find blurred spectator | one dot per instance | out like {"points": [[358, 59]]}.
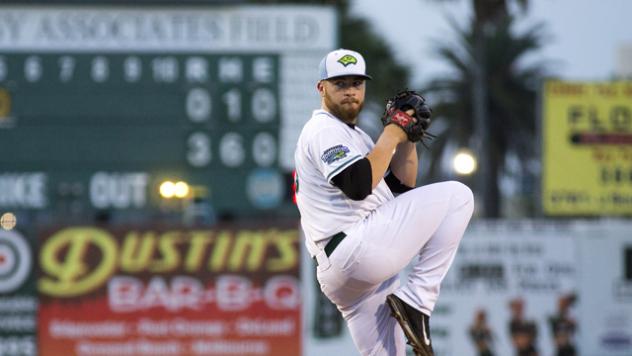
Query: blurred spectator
{"points": [[199, 212], [481, 334], [523, 332], [103, 217], [563, 326]]}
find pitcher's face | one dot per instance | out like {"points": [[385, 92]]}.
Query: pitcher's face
{"points": [[343, 97]]}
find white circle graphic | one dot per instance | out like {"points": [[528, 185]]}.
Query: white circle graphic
{"points": [[264, 188], [17, 257], [7, 260]]}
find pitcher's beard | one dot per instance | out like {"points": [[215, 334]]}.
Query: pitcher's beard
{"points": [[345, 112]]}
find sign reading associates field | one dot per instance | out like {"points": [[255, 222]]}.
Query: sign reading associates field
{"points": [[169, 292], [587, 148]]}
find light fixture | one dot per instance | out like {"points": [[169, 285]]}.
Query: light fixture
{"points": [[181, 189], [464, 162], [167, 189]]}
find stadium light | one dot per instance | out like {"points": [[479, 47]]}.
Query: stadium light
{"points": [[464, 162], [167, 189], [181, 189]]}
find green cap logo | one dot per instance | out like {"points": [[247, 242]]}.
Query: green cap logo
{"points": [[347, 59]]}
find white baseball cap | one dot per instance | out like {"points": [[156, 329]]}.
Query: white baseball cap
{"points": [[342, 62]]}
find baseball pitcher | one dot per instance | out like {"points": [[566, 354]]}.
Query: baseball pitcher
{"points": [[364, 221]]}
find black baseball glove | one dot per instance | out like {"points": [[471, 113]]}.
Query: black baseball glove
{"points": [[415, 126]]}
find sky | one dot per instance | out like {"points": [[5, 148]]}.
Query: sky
{"points": [[584, 37]]}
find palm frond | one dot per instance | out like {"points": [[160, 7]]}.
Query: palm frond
{"points": [[511, 86]]}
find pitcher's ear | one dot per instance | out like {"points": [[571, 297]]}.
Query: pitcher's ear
{"points": [[320, 86]]}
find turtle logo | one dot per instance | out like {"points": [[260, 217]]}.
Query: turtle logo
{"points": [[347, 59]]}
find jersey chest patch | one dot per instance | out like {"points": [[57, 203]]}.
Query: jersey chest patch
{"points": [[334, 154]]}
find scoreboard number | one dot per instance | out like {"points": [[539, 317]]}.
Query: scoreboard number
{"points": [[199, 150], [3, 68], [66, 68], [33, 69], [198, 105]]}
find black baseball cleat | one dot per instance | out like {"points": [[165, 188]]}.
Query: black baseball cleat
{"points": [[414, 323]]}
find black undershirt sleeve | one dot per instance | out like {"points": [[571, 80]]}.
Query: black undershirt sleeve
{"points": [[355, 180], [395, 185]]}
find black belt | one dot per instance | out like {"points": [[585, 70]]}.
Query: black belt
{"points": [[333, 243]]}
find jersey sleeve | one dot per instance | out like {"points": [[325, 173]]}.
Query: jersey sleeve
{"points": [[394, 184], [333, 152]]}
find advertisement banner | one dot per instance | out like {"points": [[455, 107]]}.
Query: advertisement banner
{"points": [[18, 295], [144, 291], [506, 289], [587, 148], [557, 287], [606, 290]]}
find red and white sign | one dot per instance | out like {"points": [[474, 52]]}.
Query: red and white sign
{"points": [[176, 292]]}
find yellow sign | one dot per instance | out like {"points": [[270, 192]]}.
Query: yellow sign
{"points": [[92, 255], [587, 148]]}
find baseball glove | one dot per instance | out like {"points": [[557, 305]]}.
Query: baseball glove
{"points": [[415, 126]]}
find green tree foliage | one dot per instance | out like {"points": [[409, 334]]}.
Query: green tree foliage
{"points": [[511, 93]]}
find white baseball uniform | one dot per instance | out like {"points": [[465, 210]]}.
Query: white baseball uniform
{"points": [[383, 234]]}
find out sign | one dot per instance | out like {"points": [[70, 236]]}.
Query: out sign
{"points": [[118, 190]]}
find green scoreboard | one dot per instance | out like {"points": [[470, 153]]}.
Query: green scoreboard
{"points": [[124, 122], [99, 106]]}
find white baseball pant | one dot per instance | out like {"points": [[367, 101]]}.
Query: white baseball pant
{"points": [[427, 223]]}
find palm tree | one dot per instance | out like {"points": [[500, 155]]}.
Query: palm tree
{"points": [[508, 103]]}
